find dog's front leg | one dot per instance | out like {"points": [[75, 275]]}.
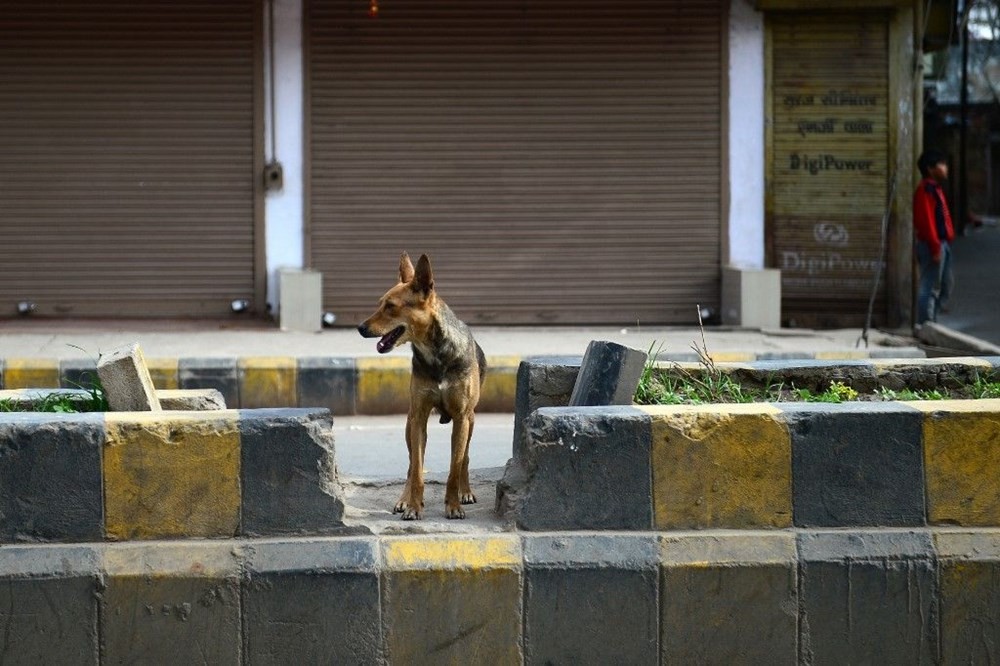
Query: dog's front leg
{"points": [[411, 502], [461, 433]]}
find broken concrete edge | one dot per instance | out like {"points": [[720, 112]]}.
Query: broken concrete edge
{"points": [[345, 385], [78, 477], [125, 380], [756, 466], [834, 595], [178, 400]]}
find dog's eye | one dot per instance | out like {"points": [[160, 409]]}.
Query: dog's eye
{"points": [[390, 307]]}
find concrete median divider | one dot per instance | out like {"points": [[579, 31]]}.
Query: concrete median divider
{"points": [[156, 475], [784, 533]]}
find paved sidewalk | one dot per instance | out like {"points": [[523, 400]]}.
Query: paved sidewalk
{"points": [[82, 339]]}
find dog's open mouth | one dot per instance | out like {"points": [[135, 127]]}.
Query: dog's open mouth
{"points": [[388, 341]]}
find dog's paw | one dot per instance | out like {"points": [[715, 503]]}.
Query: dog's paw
{"points": [[454, 512], [409, 511], [468, 498]]}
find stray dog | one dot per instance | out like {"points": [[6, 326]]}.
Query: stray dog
{"points": [[448, 371]]}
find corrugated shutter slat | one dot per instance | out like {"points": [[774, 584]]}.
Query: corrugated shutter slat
{"points": [[128, 175], [558, 161]]}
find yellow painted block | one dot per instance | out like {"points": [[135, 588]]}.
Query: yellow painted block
{"points": [[732, 357], [961, 459], [164, 372], [383, 385], [451, 553], [720, 466], [497, 394], [171, 476], [268, 381], [21, 373]]}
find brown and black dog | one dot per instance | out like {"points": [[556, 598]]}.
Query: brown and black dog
{"points": [[448, 371]]}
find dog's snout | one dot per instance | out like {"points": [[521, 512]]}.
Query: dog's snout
{"points": [[363, 330]]}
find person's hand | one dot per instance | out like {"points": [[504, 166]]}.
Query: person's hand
{"points": [[937, 257]]}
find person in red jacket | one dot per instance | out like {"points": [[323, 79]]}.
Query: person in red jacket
{"points": [[933, 233]]}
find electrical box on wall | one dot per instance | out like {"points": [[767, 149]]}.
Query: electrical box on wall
{"points": [[274, 177]]}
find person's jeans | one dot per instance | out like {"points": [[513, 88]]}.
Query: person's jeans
{"points": [[935, 281]]}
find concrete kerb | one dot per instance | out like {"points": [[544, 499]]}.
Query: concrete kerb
{"points": [[756, 466], [153, 475], [786, 596], [344, 385]]}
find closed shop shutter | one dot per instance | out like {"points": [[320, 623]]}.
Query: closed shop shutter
{"points": [[558, 161], [128, 168], [828, 181]]}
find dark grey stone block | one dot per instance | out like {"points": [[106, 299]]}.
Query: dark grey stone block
{"points": [[312, 602], [591, 600], [215, 373], [331, 383], [50, 477], [609, 375], [728, 599], [542, 381], [867, 597], [584, 468], [48, 621], [289, 483], [856, 464], [170, 620]]}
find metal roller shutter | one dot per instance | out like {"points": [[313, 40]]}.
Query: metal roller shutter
{"points": [[559, 161], [128, 173], [829, 168]]}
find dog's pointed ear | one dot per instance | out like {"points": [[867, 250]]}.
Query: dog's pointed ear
{"points": [[423, 281], [405, 268]]}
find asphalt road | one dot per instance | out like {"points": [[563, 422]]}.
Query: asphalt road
{"points": [[975, 304], [373, 447]]}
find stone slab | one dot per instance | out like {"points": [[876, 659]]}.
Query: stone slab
{"points": [[585, 468], [541, 382], [126, 381], [961, 459], [331, 383], [856, 464], [969, 569], [720, 466], [190, 400], [49, 621], [609, 375], [218, 373], [728, 599], [591, 599], [452, 600], [867, 597], [50, 477], [268, 381], [172, 474], [289, 480], [312, 602]]}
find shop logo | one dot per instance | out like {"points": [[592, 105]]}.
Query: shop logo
{"points": [[828, 233]]}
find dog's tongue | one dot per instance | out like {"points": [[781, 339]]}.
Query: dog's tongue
{"points": [[388, 341], [385, 344]]}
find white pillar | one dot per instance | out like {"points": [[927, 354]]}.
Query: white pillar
{"points": [[284, 210], [746, 136]]}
